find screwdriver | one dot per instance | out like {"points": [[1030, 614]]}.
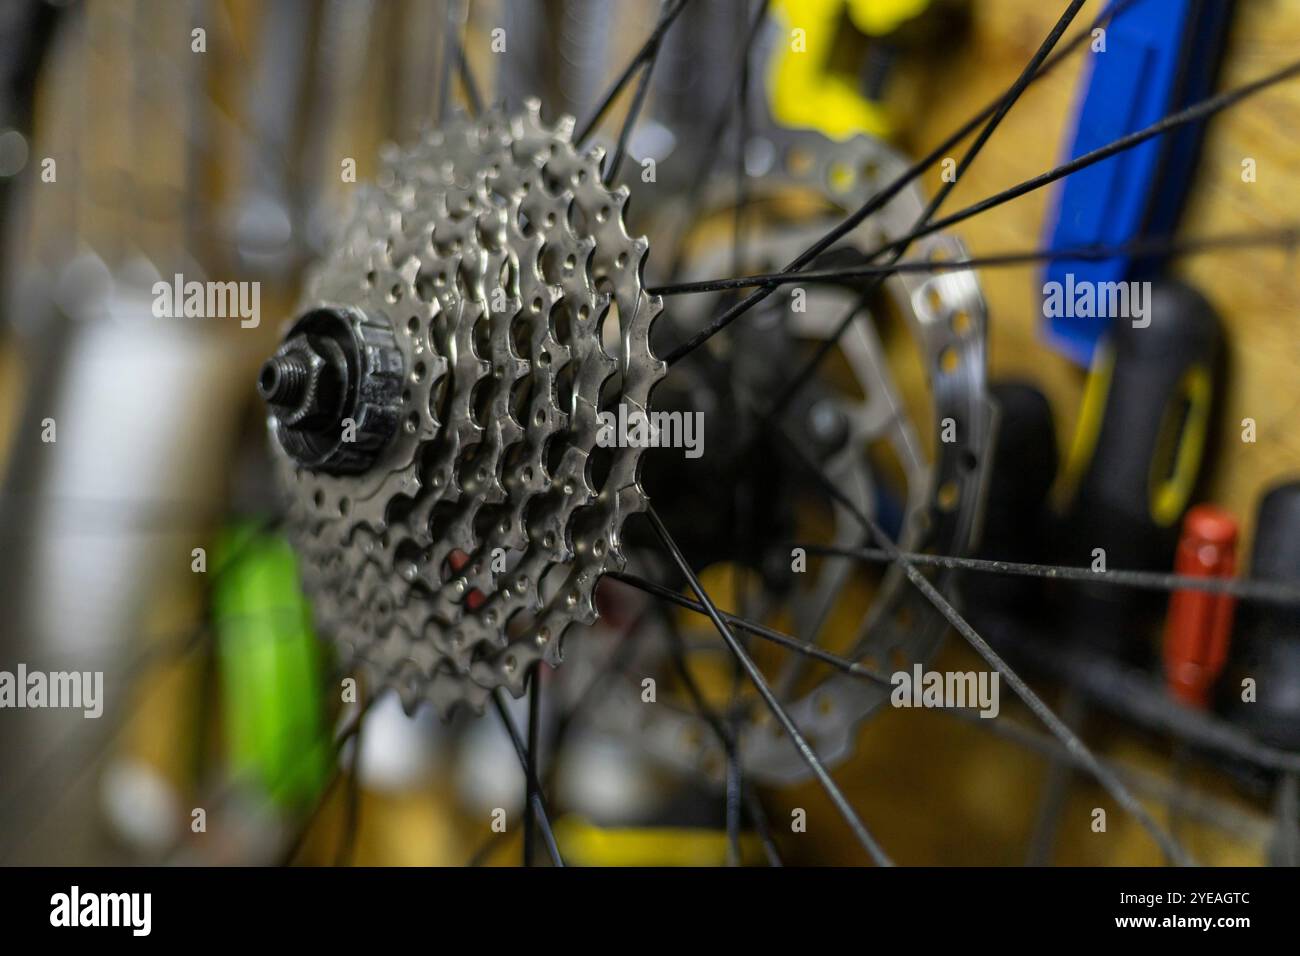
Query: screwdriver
{"points": [[1266, 649], [1015, 509], [1137, 454], [1156, 57]]}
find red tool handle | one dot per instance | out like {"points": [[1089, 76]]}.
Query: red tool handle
{"points": [[1199, 626]]}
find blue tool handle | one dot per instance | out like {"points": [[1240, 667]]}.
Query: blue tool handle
{"points": [[1160, 55]]}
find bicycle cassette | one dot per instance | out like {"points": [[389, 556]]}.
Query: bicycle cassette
{"points": [[434, 408]]}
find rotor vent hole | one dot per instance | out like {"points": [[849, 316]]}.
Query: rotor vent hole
{"points": [[949, 496], [934, 300], [799, 161], [841, 177], [949, 360]]}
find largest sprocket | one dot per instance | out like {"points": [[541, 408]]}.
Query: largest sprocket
{"points": [[491, 258]]}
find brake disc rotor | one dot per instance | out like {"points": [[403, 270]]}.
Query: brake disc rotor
{"points": [[946, 315], [435, 408]]}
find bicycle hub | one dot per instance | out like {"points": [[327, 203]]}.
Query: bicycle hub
{"points": [[334, 390]]}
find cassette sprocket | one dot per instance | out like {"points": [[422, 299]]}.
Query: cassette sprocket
{"points": [[488, 302]]}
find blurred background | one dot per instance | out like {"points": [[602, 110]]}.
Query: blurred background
{"points": [[141, 139]]}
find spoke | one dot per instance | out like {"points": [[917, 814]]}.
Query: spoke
{"points": [[1172, 721], [1016, 91], [719, 127], [1270, 592], [724, 116], [352, 796], [758, 817], [484, 851], [1056, 790], [1113, 785], [1003, 727], [806, 751], [166, 62], [809, 368], [1285, 236], [726, 736], [1139, 698], [742, 133], [651, 44], [88, 751], [471, 87], [734, 786], [221, 799], [534, 727], [1286, 848], [234, 787], [772, 635], [1192, 114], [43, 790], [109, 515], [726, 729], [881, 198], [1203, 807], [613, 664], [634, 111], [451, 53], [346, 733], [538, 800], [1026, 77]]}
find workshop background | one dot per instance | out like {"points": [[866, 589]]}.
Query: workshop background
{"points": [[224, 163]]}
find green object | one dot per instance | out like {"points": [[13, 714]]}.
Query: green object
{"points": [[270, 668]]}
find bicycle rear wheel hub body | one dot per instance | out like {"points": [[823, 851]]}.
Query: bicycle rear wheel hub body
{"points": [[944, 316]]}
